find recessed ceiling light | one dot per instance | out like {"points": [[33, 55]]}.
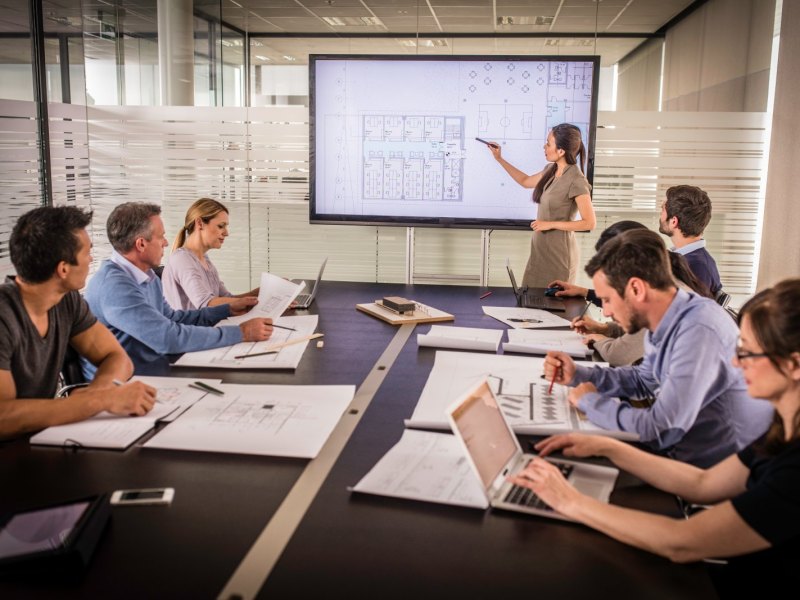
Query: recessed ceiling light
{"points": [[289, 58]]}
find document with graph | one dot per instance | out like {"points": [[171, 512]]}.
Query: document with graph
{"points": [[281, 351], [520, 390], [270, 420]]}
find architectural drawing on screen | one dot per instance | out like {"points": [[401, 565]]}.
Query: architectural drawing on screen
{"points": [[413, 157]]}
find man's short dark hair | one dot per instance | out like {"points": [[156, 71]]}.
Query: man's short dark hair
{"points": [[691, 205], [635, 253], [44, 237], [130, 221]]}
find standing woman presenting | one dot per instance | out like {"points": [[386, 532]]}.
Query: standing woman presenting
{"points": [[190, 279], [560, 190]]}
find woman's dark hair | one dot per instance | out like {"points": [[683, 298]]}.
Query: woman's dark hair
{"points": [[774, 315], [568, 139], [680, 268]]}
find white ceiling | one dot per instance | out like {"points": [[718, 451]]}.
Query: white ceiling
{"points": [[397, 22]]}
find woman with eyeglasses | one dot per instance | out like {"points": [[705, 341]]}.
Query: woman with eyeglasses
{"points": [[755, 517]]}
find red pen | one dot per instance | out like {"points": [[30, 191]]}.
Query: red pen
{"points": [[484, 295], [552, 381]]}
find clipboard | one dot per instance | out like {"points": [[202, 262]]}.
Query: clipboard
{"points": [[422, 314]]}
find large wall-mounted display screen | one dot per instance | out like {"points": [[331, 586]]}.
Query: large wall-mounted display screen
{"points": [[393, 137]]}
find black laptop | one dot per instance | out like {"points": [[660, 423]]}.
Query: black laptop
{"points": [[526, 300]]}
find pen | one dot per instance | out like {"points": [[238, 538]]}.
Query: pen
{"points": [[284, 327], [199, 385], [514, 320], [484, 295]]}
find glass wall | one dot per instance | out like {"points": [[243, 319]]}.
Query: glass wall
{"points": [[19, 149]]}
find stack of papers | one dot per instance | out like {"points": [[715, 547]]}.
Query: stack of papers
{"points": [[543, 341], [461, 338], [116, 432], [286, 357]]}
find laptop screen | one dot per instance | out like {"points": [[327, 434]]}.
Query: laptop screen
{"points": [[513, 280], [483, 429]]}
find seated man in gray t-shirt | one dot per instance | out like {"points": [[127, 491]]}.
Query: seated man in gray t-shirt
{"points": [[41, 312]]}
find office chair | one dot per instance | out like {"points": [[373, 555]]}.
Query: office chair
{"points": [[71, 374], [723, 298]]}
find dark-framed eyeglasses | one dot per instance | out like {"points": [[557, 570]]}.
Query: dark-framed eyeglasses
{"points": [[742, 355]]}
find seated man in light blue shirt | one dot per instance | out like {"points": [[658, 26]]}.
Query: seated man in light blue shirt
{"points": [[127, 297], [701, 412]]}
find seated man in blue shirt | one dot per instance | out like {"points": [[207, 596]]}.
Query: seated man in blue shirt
{"points": [[127, 297], [701, 411], [41, 313], [685, 215]]}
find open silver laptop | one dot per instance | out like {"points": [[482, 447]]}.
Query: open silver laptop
{"points": [[529, 301], [494, 453], [305, 300]]}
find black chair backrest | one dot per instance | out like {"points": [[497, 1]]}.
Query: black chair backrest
{"points": [[723, 298], [71, 371]]}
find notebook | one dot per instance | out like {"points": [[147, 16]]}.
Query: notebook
{"points": [[494, 453], [527, 301], [305, 300]]}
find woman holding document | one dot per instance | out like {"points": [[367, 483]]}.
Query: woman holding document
{"points": [[190, 279], [755, 494], [561, 191]]}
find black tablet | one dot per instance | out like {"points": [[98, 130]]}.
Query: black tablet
{"points": [[60, 536]]}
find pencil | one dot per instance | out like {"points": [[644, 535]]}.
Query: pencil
{"points": [[284, 327]]}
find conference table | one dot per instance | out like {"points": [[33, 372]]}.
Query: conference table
{"points": [[343, 544]]}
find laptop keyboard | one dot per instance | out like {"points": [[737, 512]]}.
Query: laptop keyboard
{"points": [[524, 497], [539, 302], [302, 298]]}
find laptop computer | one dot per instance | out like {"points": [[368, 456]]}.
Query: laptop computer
{"points": [[494, 453], [305, 300], [528, 301]]}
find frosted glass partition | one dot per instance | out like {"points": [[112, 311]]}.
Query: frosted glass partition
{"points": [[19, 169], [256, 161]]}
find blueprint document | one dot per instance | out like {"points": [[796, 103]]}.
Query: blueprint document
{"points": [[425, 465], [542, 341], [274, 297], [106, 430], [270, 420], [524, 318], [521, 393], [287, 357]]}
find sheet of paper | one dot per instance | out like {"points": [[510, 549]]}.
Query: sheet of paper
{"points": [[287, 357], [428, 466], [520, 389], [524, 318], [542, 341], [104, 430], [274, 297], [461, 338], [270, 420], [175, 391]]}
